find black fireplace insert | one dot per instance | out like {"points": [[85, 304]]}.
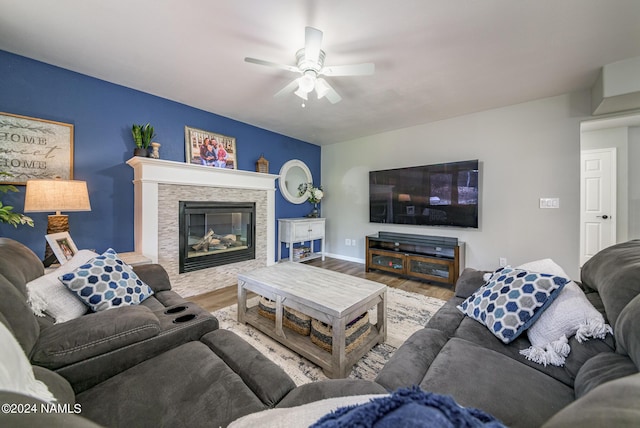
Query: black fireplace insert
{"points": [[216, 233]]}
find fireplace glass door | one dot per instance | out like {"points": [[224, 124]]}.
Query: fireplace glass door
{"points": [[215, 233]]}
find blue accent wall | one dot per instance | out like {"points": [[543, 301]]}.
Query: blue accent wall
{"points": [[102, 114]]}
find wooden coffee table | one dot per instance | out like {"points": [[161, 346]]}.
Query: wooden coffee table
{"points": [[328, 296]]}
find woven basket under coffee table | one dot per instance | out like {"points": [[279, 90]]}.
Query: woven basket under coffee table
{"points": [[292, 319], [355, 333], [331, 297]]}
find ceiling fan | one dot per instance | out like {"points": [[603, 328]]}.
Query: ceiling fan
{"points": [[310, 64]]}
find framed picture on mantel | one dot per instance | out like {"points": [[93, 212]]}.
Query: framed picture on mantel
{"points": [[210, 149]]}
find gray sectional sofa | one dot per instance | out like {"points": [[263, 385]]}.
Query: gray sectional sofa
{"points": [[598, 386], [142, 366], [161, 363]]}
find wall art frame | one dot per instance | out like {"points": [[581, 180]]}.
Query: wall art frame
{"points": [[220, 154], [62, 245], [32, 148]]}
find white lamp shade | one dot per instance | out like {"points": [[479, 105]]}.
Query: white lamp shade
{"points": [[56, 195]]}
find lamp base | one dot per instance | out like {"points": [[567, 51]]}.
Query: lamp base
{"points": [[56, 224]]}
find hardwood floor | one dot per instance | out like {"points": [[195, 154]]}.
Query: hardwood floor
{"points": [[227, 296]]}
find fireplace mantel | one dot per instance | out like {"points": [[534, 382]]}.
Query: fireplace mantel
{"points": [[150, 173]]}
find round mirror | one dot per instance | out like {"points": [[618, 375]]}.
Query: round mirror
{"points": [[293, 174]]}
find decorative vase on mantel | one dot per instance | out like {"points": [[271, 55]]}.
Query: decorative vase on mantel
{"points": [[155, 150]]}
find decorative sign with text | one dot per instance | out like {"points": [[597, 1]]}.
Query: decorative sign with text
{"points": [[34, 148]]}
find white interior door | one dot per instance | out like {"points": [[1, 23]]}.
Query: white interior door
{"points": [[597, 201]]}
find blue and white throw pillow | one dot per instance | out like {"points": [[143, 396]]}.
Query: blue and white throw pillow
{"points": [[512, 300], [106, 282]]}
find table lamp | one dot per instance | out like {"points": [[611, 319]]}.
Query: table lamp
{"points": [[56, 195]]}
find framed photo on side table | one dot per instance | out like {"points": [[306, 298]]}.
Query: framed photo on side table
{"points": [[210, 149], [62, 245]]}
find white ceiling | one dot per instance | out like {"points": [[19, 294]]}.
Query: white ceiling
{"points": [[434, 58]]}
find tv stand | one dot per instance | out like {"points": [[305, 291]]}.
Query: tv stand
{"points": [[432, 258]]}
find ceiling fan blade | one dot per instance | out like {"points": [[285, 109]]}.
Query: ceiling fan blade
{"points": [[349, 70], [287, 89], [272, 64], [312, 43], [323, 89]]}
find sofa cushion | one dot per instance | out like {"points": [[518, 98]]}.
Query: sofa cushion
{"points": [[409, 364], [94, 334], [600, 369], [187, 386], [513, 392], [268, 381], [613, 404], [512, 300], [475, 332], [16, 314], [468, 282], [615, 273], [448, 317], [154, 275], [47, 294], [106, 282], [19, 264], [627, 332]]}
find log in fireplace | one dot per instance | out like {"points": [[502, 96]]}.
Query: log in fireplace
{"points": [[216, 233]]}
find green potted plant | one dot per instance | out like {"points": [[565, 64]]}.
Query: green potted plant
{"points": [[142, 136], [7, 215]]}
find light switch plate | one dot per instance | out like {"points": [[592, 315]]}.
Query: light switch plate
{"points": [[549, 202]]}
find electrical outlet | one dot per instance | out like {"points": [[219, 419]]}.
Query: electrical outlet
{"points": [[347, 242], [503, 261], [353, 242]]}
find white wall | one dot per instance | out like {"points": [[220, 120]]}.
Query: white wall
{"points": [[526, 151]]}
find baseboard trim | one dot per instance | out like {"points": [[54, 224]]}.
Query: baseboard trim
{"points": [[346, 258]]}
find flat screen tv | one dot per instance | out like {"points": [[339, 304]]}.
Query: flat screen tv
{"points": [[431, 195]]}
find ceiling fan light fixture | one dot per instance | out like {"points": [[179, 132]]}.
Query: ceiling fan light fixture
{"points": [[321, 88], [307, 82], [302, 94], [310, 66]]}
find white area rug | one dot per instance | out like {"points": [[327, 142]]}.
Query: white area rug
{"points": [[406, 313]]}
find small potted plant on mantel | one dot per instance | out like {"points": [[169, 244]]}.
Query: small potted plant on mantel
{"points": [[142, 136]]}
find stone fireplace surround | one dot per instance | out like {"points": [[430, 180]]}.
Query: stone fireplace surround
{"points": [[160, 185]]}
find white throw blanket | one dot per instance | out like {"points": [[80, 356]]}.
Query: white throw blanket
{"points": [[16, 374]]}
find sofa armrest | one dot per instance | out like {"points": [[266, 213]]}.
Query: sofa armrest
{"points": [[154, 276], [93, 334], [469, 281]]}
